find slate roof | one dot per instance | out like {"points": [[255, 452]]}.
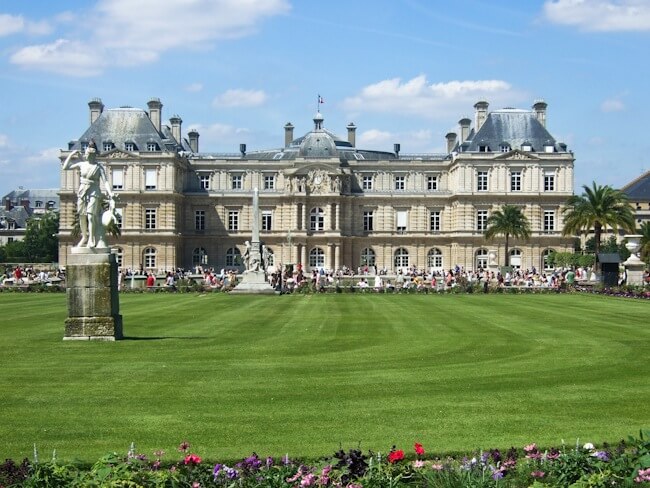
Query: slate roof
{"points": [[514, 127], [639, 189], [17, 214], [128, 124], [33, 195]]}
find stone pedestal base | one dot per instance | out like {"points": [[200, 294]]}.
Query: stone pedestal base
{"points": [[93, 301], [634, 268], [254, 282]]}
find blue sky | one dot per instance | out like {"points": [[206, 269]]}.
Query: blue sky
{"points": [[402, 70]]}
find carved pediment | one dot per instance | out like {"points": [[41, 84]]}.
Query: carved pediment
{"points": [[117, 154], [517, 155]]}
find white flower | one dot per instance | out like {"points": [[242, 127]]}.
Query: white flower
{"points": [[588, 446]]}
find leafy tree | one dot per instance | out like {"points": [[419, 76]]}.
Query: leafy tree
{"points": [[41, 238], [608, 246], [3, 254], [597, 207], [15, 251], [509, 221]]}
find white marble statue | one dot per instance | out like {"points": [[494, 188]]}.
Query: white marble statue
{"points": [[92, 219]]}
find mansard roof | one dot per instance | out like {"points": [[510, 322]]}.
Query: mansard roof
{"points": [[19, 215], [638, 189], [514, 127], [128, 124]]}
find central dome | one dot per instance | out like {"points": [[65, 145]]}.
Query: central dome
{"points": [[318, 143]]}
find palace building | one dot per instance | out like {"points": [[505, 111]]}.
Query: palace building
{"points": [[324, 202]]}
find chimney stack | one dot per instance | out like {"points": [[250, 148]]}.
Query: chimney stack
{"points": [[352, 134], [451, 141], [480, 108], [242, 149], [155, 112], [8, 203], [288, 134], [25, 203], [176, 122], [193, 136], [464, 128], [540, 111], [96, 108], [396, 149]]}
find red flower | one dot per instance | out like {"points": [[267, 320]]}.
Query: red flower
{"points": [[395, 456], [419, 450], [192, 459]]}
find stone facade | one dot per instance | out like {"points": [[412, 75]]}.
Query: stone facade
{"points": [[324, 202]]}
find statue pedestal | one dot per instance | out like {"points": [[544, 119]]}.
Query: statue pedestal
{"points": [[93, 301], [254, 282], [634, 268]]}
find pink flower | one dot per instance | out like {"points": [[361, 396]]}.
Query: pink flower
{"points": [[418, 463], [537, 474], [530, 447], [184, 446], [192, 459], [308, 480], [419, 450], [642, 475], [196, 484], [437, 467]]}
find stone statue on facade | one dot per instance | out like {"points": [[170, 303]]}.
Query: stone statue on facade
{"points": [[90, 196]]}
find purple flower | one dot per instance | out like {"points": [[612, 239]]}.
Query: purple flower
{"points": [[497, 475], [552, 454], [601, 455], [269, 462], [232, 473], [217, 470]]}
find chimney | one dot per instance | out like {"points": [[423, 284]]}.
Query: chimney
{"points": [[155, 112], [480, 108], [540, 111], [288, 134], [25, 203], [396, 149], [8, 203], [194, 140], [96, 108], [352, 134], [451, 141], [176, 122], [242, 150], [464, 128]]}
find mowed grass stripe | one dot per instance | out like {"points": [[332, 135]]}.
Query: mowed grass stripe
{"points": [[304, 374]]}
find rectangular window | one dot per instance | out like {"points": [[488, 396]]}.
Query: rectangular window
{"points": [[129, 146], [481, 220], [150, 179], [204, 182], [117, 177], [236, 182], [515, 181], [39, 204], [366, 183], [199, 220], [119, 214], [150, 218], [549, 182], [107, 146], [152, 146], [233, 220], [434, 221], [267, 220], [482, 181], [368, 220], [549, 220], [402, 219], [432, 183], [269, 182], [400, 183]]}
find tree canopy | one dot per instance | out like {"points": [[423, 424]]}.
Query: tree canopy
{"points": [[509, 221]]}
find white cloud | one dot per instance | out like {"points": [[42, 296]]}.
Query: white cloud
{"points": [[4, 140], [240, 98], [124, 39], [194, 87], [11, 24], [220, 135], [600, 15], [416, 141], [374, 138], [431, 100], [62, 56], [612, 105]]}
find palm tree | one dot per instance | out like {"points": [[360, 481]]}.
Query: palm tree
{"points": [[597, 207], [509, 221]]}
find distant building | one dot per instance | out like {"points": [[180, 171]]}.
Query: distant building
{"points": [[19, 205], [638, 192], [324, 202]]}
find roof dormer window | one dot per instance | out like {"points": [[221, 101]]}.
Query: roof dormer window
{"points": [[152, 147], [485, 148], [129, 146], [278, 155], [108, 146], [504, 147], [549, 147], [527, 147]]}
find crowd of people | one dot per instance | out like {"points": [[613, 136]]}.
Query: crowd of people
{"points": [[28, 275]]}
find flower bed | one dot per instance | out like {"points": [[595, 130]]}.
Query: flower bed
{"points": [[579, 466]]}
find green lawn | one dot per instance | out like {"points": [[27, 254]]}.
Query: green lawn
{"points": [[306, 374]]}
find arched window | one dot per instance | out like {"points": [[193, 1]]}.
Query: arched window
{"points": [[233, 257], [316, 219], [368, 257], [119, 255], [545, 260], [434, 259], [515, 258], [316, 258], [149, 257], [401, 258], [481, 260], [199, 256]]}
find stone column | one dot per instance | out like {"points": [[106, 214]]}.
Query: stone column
{"points": [[337, 256], [633, 265], [93, 301]]}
